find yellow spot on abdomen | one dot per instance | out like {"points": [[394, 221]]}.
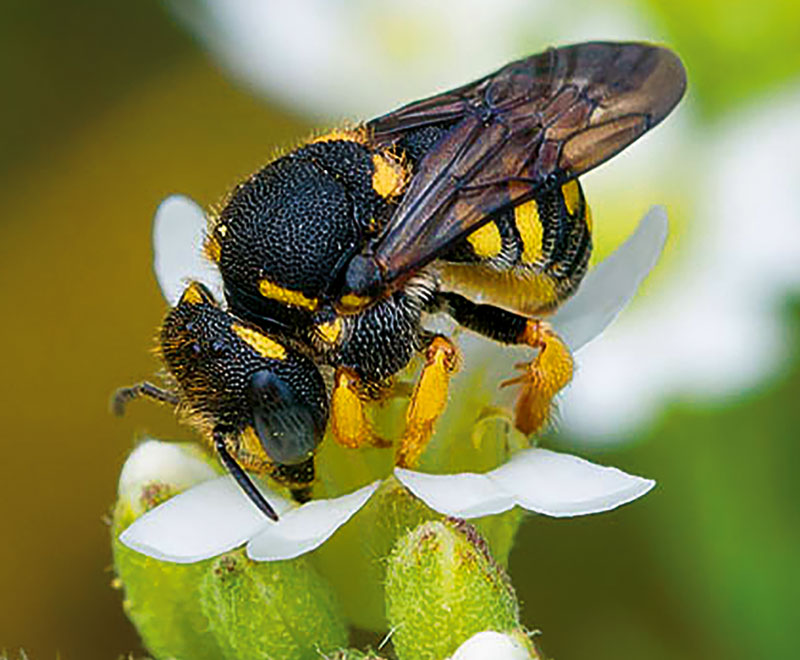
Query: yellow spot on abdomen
{"points": [[287, 296], [520, 290], [330, 330], [389, 177], [529, 226], [572, 195], [260, 343], [486, 241]]}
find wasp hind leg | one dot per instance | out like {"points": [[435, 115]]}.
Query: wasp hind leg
{"points": [[428, 400], [542, 378]]}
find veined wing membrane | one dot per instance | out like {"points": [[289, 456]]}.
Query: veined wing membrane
{"points": [[538, 121]]}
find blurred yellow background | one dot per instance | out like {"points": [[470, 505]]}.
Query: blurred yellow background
{"points": [[108, 108]]}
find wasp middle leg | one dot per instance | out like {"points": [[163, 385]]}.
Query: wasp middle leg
{"points": [[428, 400]]}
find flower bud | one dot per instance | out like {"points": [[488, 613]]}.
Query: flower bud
{"points": [[353, 654], [442, 587], [270, 609], [497, 646], [160, 597]]}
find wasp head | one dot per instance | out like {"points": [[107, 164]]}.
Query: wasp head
{"points": [[234, 377]]}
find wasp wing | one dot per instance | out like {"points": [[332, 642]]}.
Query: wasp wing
{"points": [[544, 119]]}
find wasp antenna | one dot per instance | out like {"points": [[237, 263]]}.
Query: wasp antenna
{"points": [[244, 482], [125, 395]]}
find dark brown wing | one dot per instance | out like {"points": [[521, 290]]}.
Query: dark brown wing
{"points": [[556, 114]]}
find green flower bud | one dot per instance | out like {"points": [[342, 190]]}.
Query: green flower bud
{"points": [[161, 597], [442, 587], [270, 610]]}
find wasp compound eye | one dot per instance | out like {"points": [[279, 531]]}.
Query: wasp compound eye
{"points": [[289, 412]]}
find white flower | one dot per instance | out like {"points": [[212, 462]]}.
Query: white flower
{"points": [[491, 644], [540, 480], [361, 58], [215, 516]]}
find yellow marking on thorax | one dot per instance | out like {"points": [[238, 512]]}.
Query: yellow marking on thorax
{"points": [[572, 196], [260, 343], [330, 331], [193, 295], [287, 296], [353, 303], [529, 226], [389, 177], [356, 135], [486, 241], [588, 217]]}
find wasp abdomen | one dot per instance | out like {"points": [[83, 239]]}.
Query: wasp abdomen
{"points": [[530, 258]]}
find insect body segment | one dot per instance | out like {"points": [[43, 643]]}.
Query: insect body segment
{"points": [[541, 253], [334, 255], [259, 401]]}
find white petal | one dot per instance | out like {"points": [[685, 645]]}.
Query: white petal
{"points": [[464, 495], [491, 644], [168, 463], [211, 518], [561, 485], [610, 285], [179, 229], [539, 480], [307, 527]]}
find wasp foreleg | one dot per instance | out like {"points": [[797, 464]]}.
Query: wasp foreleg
{"points": [[349, 422]]}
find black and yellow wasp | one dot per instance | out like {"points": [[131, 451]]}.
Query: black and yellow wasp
{"points": [[466, 203]]}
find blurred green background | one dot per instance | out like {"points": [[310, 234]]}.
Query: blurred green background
{"points": [[109, 107]]}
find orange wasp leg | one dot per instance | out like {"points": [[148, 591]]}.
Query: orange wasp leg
{"points": [[349, 423], [542, 378], [428, 400]]}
